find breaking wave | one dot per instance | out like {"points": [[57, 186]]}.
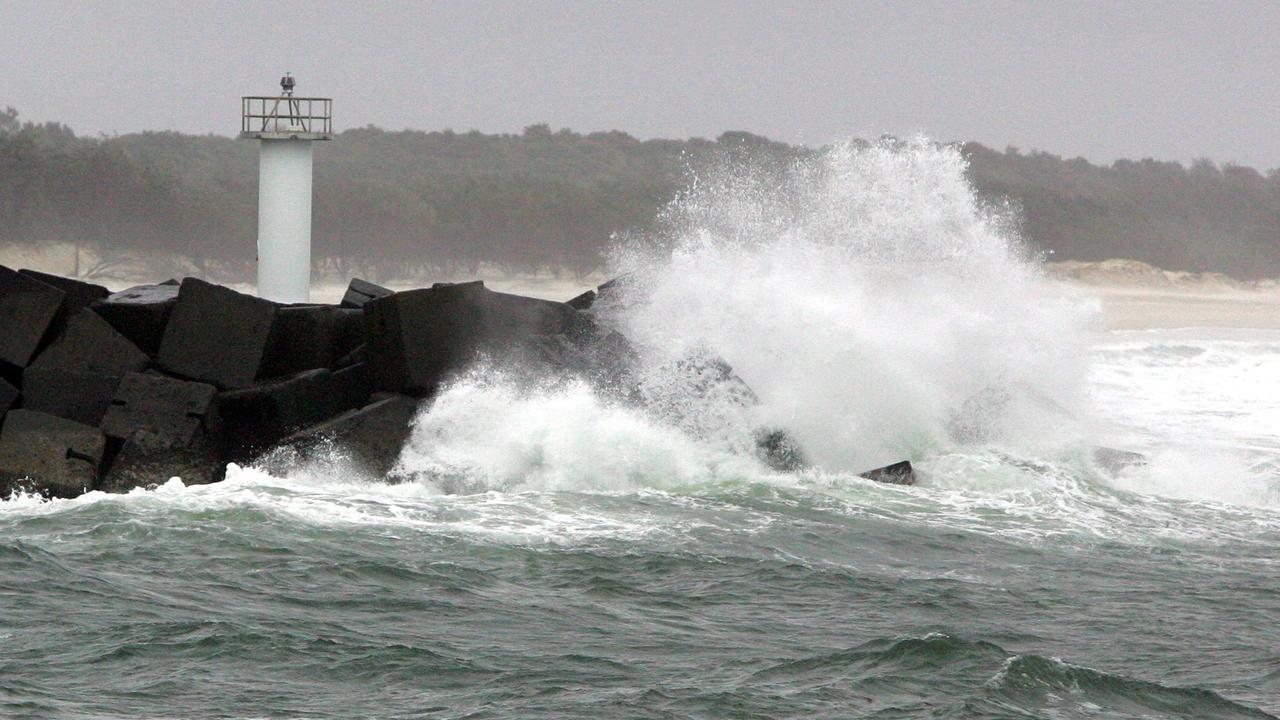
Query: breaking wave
{"points": [[875, 307]]}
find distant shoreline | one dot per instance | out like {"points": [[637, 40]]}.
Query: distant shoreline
{"points": [[1137, 296], [1133, 295]]}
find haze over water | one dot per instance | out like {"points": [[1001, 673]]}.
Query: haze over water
{"points": [[546, 551]]}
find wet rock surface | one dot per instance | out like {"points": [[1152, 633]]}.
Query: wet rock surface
{"points": [[48, 454], [28, 309], [216, 335], [140, 313]]}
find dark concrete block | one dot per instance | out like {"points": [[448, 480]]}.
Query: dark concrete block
{"points": [[256, 417], [78, 294], [177, 411], [417, 337], [305, 337], [899, 473], [140, 314], [583, 301], [370, 438], [358, 354], [360, 292], [71, 394], [350, 388], [28, 308], [1116, 461], [87, 343], [148, 458], [8, 396], [216, 335], [51, 455]]}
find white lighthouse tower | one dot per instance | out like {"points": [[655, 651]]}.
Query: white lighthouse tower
{"points": [[286, 126]]}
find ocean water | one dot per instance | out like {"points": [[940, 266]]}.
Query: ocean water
{"points": [[546, 551]]}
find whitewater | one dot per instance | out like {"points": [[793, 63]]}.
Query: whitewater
{"points": [[544, 549]]}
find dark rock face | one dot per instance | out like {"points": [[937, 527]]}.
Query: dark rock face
{"points": [[216, 335], [416, 338], [370, 438], [8, 396], [77, 293], [583, 301], [176, 410], [89, 344], [899, 473], [258, 416], [82, 396], [307, 337], [140, 314], [77, 375], [48, 454], [164, 428], [148, 458], [28, 308], [360, 292]]}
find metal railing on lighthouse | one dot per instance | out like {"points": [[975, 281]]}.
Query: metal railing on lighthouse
{"points": [[285, 125]]}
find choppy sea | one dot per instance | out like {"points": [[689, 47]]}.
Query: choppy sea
{"points": [[591, 561]]}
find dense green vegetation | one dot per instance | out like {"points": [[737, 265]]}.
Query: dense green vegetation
{"points": [[409, 203]]}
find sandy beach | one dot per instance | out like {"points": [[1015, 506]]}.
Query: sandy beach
{"points": [[1136, 296]]}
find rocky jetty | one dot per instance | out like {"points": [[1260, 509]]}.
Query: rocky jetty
{"points": [[110, 391]]}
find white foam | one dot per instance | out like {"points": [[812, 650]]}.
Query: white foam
{"points": [[867, 296], [485, 432]]}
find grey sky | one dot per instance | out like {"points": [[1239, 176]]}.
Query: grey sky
{"points": [[1098, 79]]}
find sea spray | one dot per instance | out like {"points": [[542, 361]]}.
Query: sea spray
{"points": [[876, 306], [487, 432]]}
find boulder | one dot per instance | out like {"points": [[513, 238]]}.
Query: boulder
{"points": [[360, 292], [1116, 461], [140, 314], [28, 308], [77, 294], [369, 438], [256, 417], [216, 335], [305, 337], [47, 454], [77, 375], [899, 473], [164, 428], [8, 396], [87, 343], [416, 338], [79, 395], [177, 411], [148, 458]]}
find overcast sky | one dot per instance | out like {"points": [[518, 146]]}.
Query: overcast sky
{"points": [[1171, 80]]}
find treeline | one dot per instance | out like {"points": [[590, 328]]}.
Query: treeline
{"points": [[409, 204]]}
